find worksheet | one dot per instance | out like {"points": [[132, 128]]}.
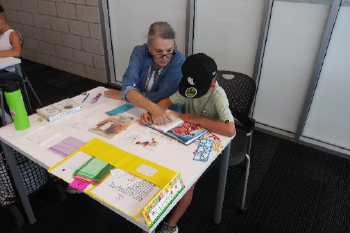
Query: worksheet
{"points": [[125, 191]]}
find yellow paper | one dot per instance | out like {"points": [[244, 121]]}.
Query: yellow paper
{"points": [[127, 161]]}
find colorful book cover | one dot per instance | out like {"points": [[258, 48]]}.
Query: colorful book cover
{"points": [[187, 132], [176, 121], [180, 130], [113, 125], [156, 207]]}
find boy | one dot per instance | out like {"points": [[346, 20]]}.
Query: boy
{"points": [[10, 41], [205, 104]]}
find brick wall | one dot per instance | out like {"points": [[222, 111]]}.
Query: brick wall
{"points": [[64, 34]]}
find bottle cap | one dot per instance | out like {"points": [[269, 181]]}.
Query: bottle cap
{"points": [[10, 86]]}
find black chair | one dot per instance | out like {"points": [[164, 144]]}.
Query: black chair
{"points": [[240, 91]]}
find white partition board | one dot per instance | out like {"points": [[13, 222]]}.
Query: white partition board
{"points": [[130, 21], [329, 116], [294, 38], [228, 31]]}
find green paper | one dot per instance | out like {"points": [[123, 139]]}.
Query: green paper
{"points": [[94, 169]]}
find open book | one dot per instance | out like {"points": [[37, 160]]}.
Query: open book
{"points": [[60, 109], [180, 130]]}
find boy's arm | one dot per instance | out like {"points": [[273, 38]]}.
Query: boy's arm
{"points": [[224, 128], [15, 42], [165, 103]]}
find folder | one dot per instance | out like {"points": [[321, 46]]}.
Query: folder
{"points": [[169, 181]]}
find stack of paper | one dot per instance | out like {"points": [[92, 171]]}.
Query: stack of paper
{"points": [[66, 146], [93, 171]]}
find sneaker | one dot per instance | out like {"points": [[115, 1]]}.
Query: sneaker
{"points": [[72, 190], [166, 228]]}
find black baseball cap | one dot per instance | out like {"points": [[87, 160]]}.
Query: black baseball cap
{"points": [[198, 71], [1, 9]]}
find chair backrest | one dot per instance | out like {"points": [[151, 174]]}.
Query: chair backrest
{"points": [[240, 91]]}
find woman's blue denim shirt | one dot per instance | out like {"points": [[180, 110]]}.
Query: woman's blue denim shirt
{"points": [[136, 74]]}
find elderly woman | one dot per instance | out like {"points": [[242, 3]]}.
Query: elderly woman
{"points": [[154, 72]]}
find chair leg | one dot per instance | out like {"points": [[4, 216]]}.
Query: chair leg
{"points": [[26, 80], [26, 98], [245, 182]]}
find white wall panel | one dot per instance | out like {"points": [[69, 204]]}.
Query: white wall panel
{"points": [[329, 116], [228, 31], [293, 41], [130, 21]]}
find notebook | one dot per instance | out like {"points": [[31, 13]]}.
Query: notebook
{"points": [[60, 109]]}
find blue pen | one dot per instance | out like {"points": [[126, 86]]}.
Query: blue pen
{"points": [[96, 98], [85, 97]]}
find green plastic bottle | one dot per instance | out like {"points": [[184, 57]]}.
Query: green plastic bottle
{"points": [[15, 102]]}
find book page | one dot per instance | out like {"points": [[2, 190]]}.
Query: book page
{"points": [[125, 191], [176, 121], [150, 143]]}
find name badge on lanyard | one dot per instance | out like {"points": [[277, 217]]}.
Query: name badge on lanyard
{"points": [[150, 80]]}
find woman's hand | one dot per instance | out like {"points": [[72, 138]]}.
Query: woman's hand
{"points": [[190, 118], [145, 119], [114, 94], [159, 116]]}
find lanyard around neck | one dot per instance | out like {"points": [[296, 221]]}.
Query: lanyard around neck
{"points": [[149, 76]]}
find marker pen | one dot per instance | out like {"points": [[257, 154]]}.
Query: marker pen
{"points": [[96, 98]]}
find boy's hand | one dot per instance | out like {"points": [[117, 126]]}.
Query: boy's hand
{"points": [[145, 119], [190, 118]]}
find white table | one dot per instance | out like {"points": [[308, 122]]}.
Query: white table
{"points": [[8, 62], [173, 155]]}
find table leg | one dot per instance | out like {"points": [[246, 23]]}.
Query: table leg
{"points": [[18, 70], [11, 161], [222, 183]]}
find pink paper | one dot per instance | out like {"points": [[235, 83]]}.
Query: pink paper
{"points": [[79, 184]]}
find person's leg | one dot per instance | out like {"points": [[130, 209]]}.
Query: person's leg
{"points": [[181, 207], [178, 211]]}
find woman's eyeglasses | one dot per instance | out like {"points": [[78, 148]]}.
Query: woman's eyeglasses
{"points": [[168, 55]]}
